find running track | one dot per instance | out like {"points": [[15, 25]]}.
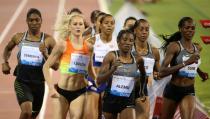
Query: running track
{"points": [[12, 20]]}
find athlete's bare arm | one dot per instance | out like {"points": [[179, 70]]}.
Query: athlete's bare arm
{"points": [[204, 75], [53, 57], [91, 70], [48, 44], [157, 63], [165, 70], [108, 66], [8, 50]]}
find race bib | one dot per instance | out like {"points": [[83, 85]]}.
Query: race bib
{"points": [[31, 56], [122, 86], [78, 63], [99, 55], [149, 65], [189, 70]]}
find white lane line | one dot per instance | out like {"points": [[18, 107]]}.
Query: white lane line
{"points": [[103, 6], [59, 16], [55, 35], [13, 19]]}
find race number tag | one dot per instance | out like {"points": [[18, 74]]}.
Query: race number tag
{"points": [[31, 56], [122, 85], [79, 63], [99, 55], [189, 70], [149, 65]]}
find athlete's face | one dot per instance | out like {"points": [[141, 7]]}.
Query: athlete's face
{"points": [[142, 31], [107, 25], [129, 23], [126, 42], [34, 22], [188, 30], [77, 26]]}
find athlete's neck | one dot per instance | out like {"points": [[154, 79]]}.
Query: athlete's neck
{"points": [[124, 55], [76, 39], [105, 38], [34, 33], [186, 43], [141, 44]]}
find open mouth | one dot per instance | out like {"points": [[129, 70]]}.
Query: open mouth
{"points": [[78, 31]]}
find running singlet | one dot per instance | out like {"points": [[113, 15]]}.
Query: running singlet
{"points": [[29, 53], [123, 79], [189, 71], [101, 49], [149, 61], [74, 61]]}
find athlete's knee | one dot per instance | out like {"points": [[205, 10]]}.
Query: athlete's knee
{"points": [[26, 110], [26, 114]]}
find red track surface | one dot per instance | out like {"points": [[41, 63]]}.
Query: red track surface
{"points": [[9, 108]]}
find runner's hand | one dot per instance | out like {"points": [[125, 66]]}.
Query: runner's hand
{"points": [[156, 75], [6, 68], [116, 64], [42, 49], [193, 59], [203, 75]]}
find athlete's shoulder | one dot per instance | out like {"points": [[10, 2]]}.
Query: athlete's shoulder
{"points": [[174, 45], [17, 37], [47, 36], [198, 46]]}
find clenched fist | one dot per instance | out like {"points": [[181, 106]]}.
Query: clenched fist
{"points": [[6, 68]]}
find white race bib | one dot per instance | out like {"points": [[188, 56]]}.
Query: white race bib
{"points": [[149, 65], [189, 70], [99, 55], [31, 56], [122, 86], [79, 63]]}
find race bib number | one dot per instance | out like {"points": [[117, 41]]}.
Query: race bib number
{"points": [[149, 65], [79, 63], [189, 70], [122, 86], [99, 55], [31, 56]]}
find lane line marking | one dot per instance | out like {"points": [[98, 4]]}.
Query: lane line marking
{"points": [[103, 6], [13, 19]]}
